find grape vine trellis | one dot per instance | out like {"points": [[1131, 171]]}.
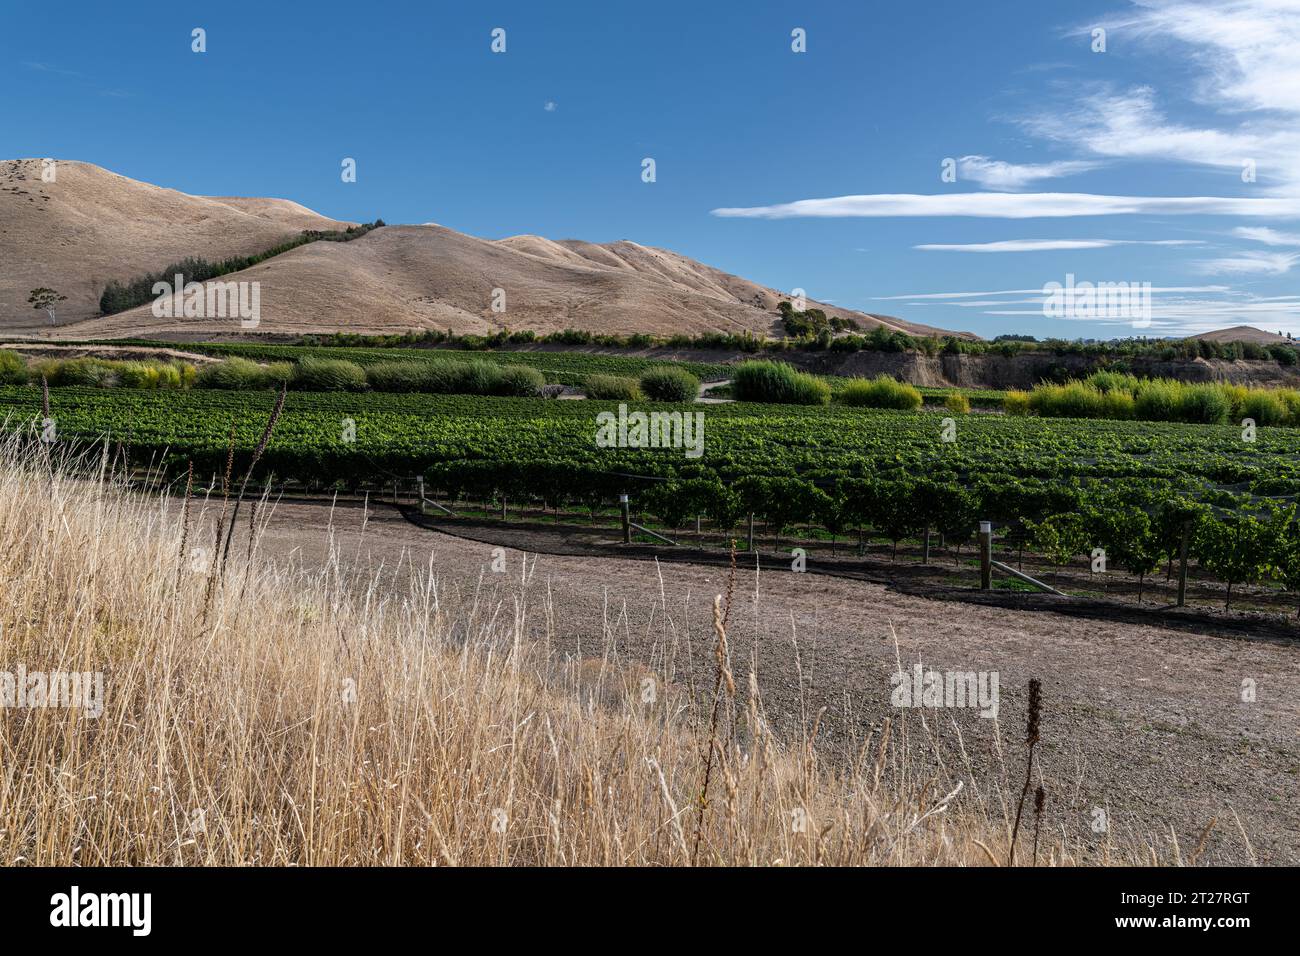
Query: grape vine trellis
{"points": [[840, 468]]}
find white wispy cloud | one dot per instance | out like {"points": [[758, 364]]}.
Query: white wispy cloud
{"points": [[1018, 206], [1254, 261], [996, 174], [1129, 125], [1190, 316], [1246, 49], [1251, 263], [970, 295], [1175, 310], [1247, 57], [1270, 237], [46, 68], [1048, 245], [86, 80]]}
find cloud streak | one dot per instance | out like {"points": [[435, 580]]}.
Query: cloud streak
{"points": [[1251, 263], [1049, 245], [1270, 237], [994, 205], [1039, 291], [996, 174], [1254, 261], [1175, 310]]}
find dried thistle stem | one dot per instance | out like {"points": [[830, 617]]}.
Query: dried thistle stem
{"points": [[1031, 738]]}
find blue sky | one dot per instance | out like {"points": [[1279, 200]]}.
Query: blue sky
{"points": [[818, 170]]}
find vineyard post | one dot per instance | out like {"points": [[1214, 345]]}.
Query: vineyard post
{"points": [[751, 532], [986, 555], [627, 519], [1182, 564]]}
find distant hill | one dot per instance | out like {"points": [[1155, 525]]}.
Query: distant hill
{"points": [[92, 226], [1246, 333]]}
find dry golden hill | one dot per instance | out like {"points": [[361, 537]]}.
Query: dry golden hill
{"points": [[1245, 333], [414, 277], [90, 226]]}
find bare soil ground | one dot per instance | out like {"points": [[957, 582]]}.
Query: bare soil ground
{"points": [[119, 352], [1146, 723]]}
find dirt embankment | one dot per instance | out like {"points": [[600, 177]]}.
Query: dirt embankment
{"points": [[979, 371], [125, 353], [1026, 371]]}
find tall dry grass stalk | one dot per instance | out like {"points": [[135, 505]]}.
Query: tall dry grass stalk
{"points": [[326, 718]]}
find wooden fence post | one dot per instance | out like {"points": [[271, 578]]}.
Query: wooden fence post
{"points": [[1182, 564], [986, 555], [627, 518], [751, 532]]}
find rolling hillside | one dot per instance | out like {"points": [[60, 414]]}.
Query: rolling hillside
{"points": [[1245, 333], [92, 227]]}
